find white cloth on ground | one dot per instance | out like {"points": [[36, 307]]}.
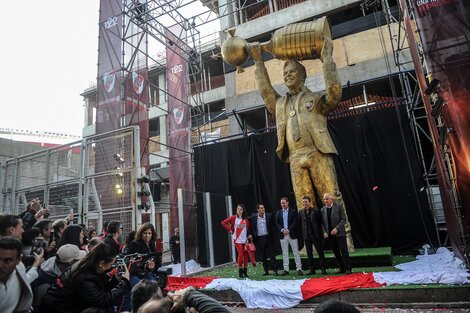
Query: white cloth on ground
{"points": [[269, 294], [443, 267]]}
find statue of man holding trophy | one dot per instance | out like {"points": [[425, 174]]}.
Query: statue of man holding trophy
{"points": [[301, 115]]}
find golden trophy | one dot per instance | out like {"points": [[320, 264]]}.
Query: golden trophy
{"points": [[300, 41]]}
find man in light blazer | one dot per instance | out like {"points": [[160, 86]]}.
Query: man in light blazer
{"points": [[262, 231], [334, 219], [286, 225]]}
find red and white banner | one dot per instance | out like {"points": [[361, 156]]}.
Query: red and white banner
{"points": [[440, 268], [179, 134]]}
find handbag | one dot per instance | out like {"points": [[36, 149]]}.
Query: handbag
{"points": [[250, 246]]}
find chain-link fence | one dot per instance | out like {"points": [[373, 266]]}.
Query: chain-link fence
{"points": [[95, 179]]}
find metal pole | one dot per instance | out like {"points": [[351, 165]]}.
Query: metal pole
{"points": [[80, 209], [228, 206], [208, 220], [181, 227], [2, 184]]}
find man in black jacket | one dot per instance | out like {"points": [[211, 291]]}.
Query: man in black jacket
{"points": [[114, 233], [262, 232], [312, 233], [334, 219], [286, 225], [175, 246]]}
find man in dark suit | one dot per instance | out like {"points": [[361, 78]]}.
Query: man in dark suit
{"points": [[334, 218], [312, 233], [262, 232], [286, 225], [175, 246]]}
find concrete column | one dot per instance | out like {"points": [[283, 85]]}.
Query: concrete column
{"points": [[162, 86], [228, 16]]}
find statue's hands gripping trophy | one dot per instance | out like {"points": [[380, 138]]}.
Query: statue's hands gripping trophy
{"points": [[254, 51]]}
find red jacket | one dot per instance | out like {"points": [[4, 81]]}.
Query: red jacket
{"points": [[229, 224]]}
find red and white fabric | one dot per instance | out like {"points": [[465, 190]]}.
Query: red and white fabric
{"points": [[442, 267]]}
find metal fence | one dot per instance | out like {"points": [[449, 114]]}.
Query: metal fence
{"points": [[95, 178]]}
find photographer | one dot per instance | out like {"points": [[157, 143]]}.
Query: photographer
{"points": [[184, 300], [52, 268], [45, 228], [84, 284], [144, 243], [32, 213], [30, 245], [58, 227]]}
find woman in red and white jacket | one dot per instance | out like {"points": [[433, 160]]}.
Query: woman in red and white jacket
{"points": [[238, 226]]}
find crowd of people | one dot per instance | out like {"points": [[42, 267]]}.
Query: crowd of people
{"points": [[60, 267], [314, 226]]}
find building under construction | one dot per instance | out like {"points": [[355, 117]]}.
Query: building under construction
{"points": [[160, 68]]}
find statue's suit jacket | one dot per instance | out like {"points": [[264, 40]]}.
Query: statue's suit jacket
{"points": [[311, 111]]}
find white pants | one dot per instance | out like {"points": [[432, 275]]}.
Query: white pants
{"points": [[285, 252]]}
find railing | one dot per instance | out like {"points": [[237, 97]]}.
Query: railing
{"points": [[256, 10], [212, 83]]}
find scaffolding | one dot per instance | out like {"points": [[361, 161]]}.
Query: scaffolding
{"points": [[420, 124]]}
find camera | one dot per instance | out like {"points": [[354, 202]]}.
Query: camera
{"points": [[38, 245], [137, 263], [121, 266]]}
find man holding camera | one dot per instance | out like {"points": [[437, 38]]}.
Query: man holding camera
{"points": [[15, 291], [33, 213]]}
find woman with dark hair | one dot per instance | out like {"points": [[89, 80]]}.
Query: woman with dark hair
{"points": [[130, 238], [28, 241], [238, 226], [73, 234], [11, 225], [144, 243], [84, 284], [58, 227]]}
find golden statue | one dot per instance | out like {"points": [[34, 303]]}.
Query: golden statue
{"points": [[301, 115]]}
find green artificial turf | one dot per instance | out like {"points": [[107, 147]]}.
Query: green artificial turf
{"points": [[371, 254]]}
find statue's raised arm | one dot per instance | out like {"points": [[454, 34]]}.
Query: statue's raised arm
{"points": [[330, 73], [263, 83]]}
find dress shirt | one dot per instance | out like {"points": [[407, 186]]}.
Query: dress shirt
{"points": [[285, 217], [10, 293], [328, 211], [261, 224]]}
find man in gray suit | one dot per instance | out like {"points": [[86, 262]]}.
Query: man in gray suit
{"points": [[334, 218]]}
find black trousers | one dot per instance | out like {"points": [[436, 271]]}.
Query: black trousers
{"points": [[176, 255], [340, 250], [265, 250], [309, 243]]}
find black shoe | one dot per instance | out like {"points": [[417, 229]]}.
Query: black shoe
{"points": [[342, 270], [348, 272], [311, 272], [285, 273], [266, 273], [324, 272], [240, 272], [245, 270], [300, 273]]}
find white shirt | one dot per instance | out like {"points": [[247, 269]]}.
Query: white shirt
{"points": [[239, 235], [10, 293], [261, 224]]}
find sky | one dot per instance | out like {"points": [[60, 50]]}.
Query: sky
{"points": [[49, 56]]}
